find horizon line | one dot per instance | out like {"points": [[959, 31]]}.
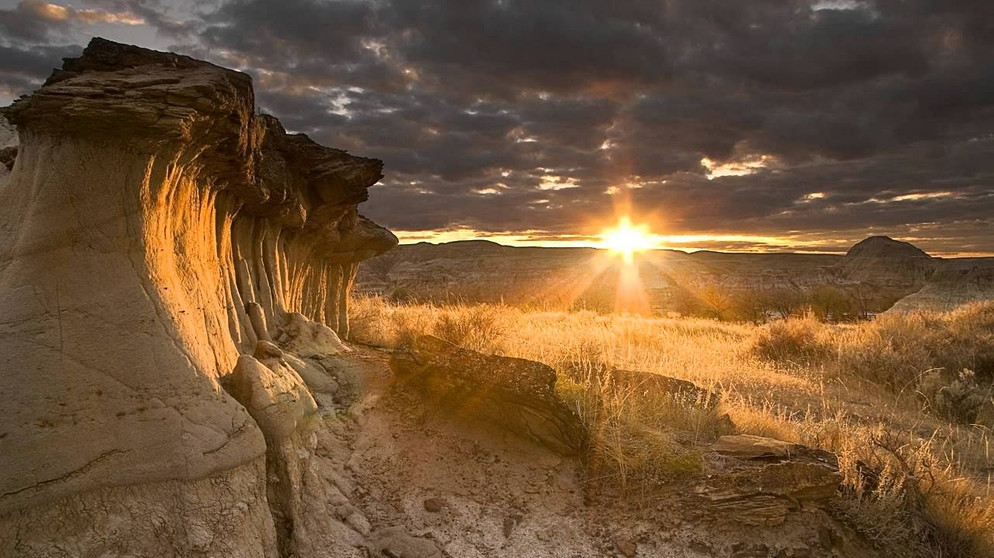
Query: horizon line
{"points": [[724, 244]]}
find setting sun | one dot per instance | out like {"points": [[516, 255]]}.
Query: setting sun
{"points": [[626, 239]]}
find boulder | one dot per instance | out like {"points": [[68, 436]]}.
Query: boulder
{"points": [[518, 394], [759, 481], [396, 542], [314, 375], [747, 446], [308, 338], [276, 397]]}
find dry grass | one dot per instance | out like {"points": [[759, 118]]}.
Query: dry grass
{"points": [[916, 475]]}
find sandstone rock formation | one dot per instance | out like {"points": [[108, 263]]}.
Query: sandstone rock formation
{"points": [[761, 480], [147, 210], [8, 147], [954, 282], [885, 247], [516, 393]]}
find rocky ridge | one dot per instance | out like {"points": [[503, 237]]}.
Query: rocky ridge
{"points": [[876, 271]]}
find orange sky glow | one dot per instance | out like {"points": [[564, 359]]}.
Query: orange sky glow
{"points": [[748, 243]]}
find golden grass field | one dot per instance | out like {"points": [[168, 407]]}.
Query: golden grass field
{"points": [[904, 400]]}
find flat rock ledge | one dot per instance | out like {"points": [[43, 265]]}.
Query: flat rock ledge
{"points": [[759, 481], [516, 394]]}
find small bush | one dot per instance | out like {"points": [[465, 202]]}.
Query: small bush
{"points": [[478, 327], [883, 356], [794, 340], [959, 400], [971, 333]]}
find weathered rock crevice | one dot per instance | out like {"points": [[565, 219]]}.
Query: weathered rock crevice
{"points": [[148, 219]]}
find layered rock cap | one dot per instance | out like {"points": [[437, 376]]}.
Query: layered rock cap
{"points": [[156, 229]]}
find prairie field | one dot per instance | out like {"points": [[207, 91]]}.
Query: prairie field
{"points": [[904, 400]]}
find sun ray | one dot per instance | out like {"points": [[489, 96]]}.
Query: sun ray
{"points": [[626, 239]]}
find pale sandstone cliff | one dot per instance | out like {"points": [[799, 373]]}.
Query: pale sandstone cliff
{"points": [[147, 211]]}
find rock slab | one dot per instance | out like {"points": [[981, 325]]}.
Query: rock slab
{"points": [[518, 394], [759, 481]]}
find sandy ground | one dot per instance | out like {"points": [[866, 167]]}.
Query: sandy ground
{"points": [[423, 484]]}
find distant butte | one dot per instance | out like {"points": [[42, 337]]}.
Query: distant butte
{"points": [[885, 247]]}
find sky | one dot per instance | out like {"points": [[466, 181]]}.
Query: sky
{"points": [[747, 125]]}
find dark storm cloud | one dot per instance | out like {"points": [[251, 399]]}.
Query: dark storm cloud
{"points": [[554, 45], [30, 20], [812, 50], [154, 13], [24, 68], [891, 190], [292, 34], [35, 34], [504, 115], [34, 62]]}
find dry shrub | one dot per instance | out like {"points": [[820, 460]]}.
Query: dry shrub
{"points": [[946, 358], [640, 438], [479, 327], [639, 441], [960, 400], [971, 332], [794, 340], [903, 495], [762, 418], [896, 348], [888, 351], [636, 461], [369, 320]]}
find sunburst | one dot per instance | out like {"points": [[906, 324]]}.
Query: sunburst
{"points": [[627, 239]]}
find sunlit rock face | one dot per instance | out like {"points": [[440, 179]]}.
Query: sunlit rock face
{"points": [[146, 207]]}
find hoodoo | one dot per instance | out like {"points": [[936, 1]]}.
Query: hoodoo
{"points": [[154, 230]]}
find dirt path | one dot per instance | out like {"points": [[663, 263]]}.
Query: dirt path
{"points": [[472, 490], [419, 484]]}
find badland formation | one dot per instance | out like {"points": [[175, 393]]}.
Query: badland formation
{"points": [[176, 377]]}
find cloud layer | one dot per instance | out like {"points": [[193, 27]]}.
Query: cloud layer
{"points": [[818, 122]]}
